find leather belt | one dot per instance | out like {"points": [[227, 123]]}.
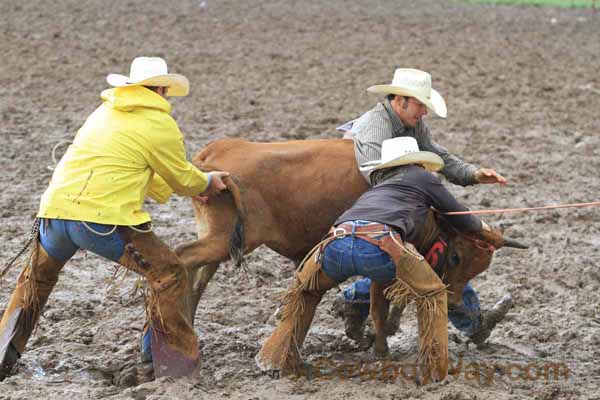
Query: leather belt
{"points": [[349, 229], [372, 233]]}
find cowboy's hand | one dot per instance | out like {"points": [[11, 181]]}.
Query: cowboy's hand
{"points": [[486, 175], [215, 187]]}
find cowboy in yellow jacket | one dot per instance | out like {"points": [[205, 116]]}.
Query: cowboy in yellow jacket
{"points": [[129, 148]]}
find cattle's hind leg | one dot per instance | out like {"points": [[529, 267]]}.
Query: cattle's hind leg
{"points": [[201, 258], [199, 284]]}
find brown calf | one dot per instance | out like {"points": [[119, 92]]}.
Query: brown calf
{"points": [[286, 195]]}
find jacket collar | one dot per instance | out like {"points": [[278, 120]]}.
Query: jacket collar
{"points": [[128, 98]]}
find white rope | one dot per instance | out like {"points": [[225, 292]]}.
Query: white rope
{"points": [[99, 233], [114, 229], [142, 230], [56, 146]]}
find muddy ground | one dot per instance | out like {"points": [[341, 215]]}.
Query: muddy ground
{"points": [[523, 94]]}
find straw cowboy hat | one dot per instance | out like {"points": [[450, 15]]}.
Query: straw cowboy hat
{"points": [[151, 71], [403, 151], [414, 83]]}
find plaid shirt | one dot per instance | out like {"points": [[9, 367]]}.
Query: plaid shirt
{"points": [[381, 123]]}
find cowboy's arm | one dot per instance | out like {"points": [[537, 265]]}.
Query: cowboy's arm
{"points": [[444, 201], [159, 190], [455, 170], [166, 157]]}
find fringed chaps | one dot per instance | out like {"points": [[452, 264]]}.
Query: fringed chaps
{"points": [[167, 301], [416, 280], [34, 285], [281, 351]]}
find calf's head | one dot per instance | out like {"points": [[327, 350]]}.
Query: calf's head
{"points": [[468, 255]]}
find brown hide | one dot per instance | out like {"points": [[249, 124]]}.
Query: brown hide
{"points": [[290, 193]]}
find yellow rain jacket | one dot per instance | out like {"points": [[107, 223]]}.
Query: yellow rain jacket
{"points": [[128, 148]]}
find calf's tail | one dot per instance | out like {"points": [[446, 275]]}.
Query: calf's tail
{"points": [[236, 240]]}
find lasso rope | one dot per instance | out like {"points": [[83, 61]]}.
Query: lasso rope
{"points": [[56, 146], [525, 209], [35, 228], [89, 228]]}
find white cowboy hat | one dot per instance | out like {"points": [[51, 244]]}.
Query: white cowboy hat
{"points": [[151, 71], [414, 83], [403, 151]]}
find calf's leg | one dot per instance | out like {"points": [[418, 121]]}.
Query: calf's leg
{"points": [[379, 312], [201, 258]]}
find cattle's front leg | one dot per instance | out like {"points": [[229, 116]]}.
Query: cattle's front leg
{"points": [[379, 312]]}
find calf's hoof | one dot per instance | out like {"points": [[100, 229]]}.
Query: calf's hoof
{"points": [[381, 349]]}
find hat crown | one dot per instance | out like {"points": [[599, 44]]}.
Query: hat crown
{"points": [[398, 147], [414, 80], [143, 68]]}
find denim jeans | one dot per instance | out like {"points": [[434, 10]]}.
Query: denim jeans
{"points": [[466, 318], [350, 256], [62, 238]]}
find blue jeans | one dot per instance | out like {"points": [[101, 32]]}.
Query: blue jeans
{"points": [[466, 318], [62, 238], [350, 256]]}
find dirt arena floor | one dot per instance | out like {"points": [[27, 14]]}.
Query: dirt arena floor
{"points": [[523, 94]]}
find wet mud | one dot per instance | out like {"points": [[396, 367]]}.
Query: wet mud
{"points": [[523, 95]]}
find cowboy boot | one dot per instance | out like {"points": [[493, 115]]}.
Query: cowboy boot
{"points": [[354, 322], [416, 280], [173, 343], [281, 351], [34, 285], [392, 323], [489, 319]]}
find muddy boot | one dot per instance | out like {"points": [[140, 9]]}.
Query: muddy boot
{"points": [[11, 355], [354, 322], [490, 318], [145, 367], [392, 324], [26, 303]]}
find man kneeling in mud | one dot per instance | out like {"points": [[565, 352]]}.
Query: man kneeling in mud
{"points": [[128, 148], [373, 239]]}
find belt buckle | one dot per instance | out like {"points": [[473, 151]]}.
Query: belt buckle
{"points": [[336, 230]]}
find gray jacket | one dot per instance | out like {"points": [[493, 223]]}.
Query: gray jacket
{"points": [[382, 122]]}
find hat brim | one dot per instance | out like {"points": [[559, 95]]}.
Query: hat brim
{"points": [[177, 85], [431, 161], [435, 103]]}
